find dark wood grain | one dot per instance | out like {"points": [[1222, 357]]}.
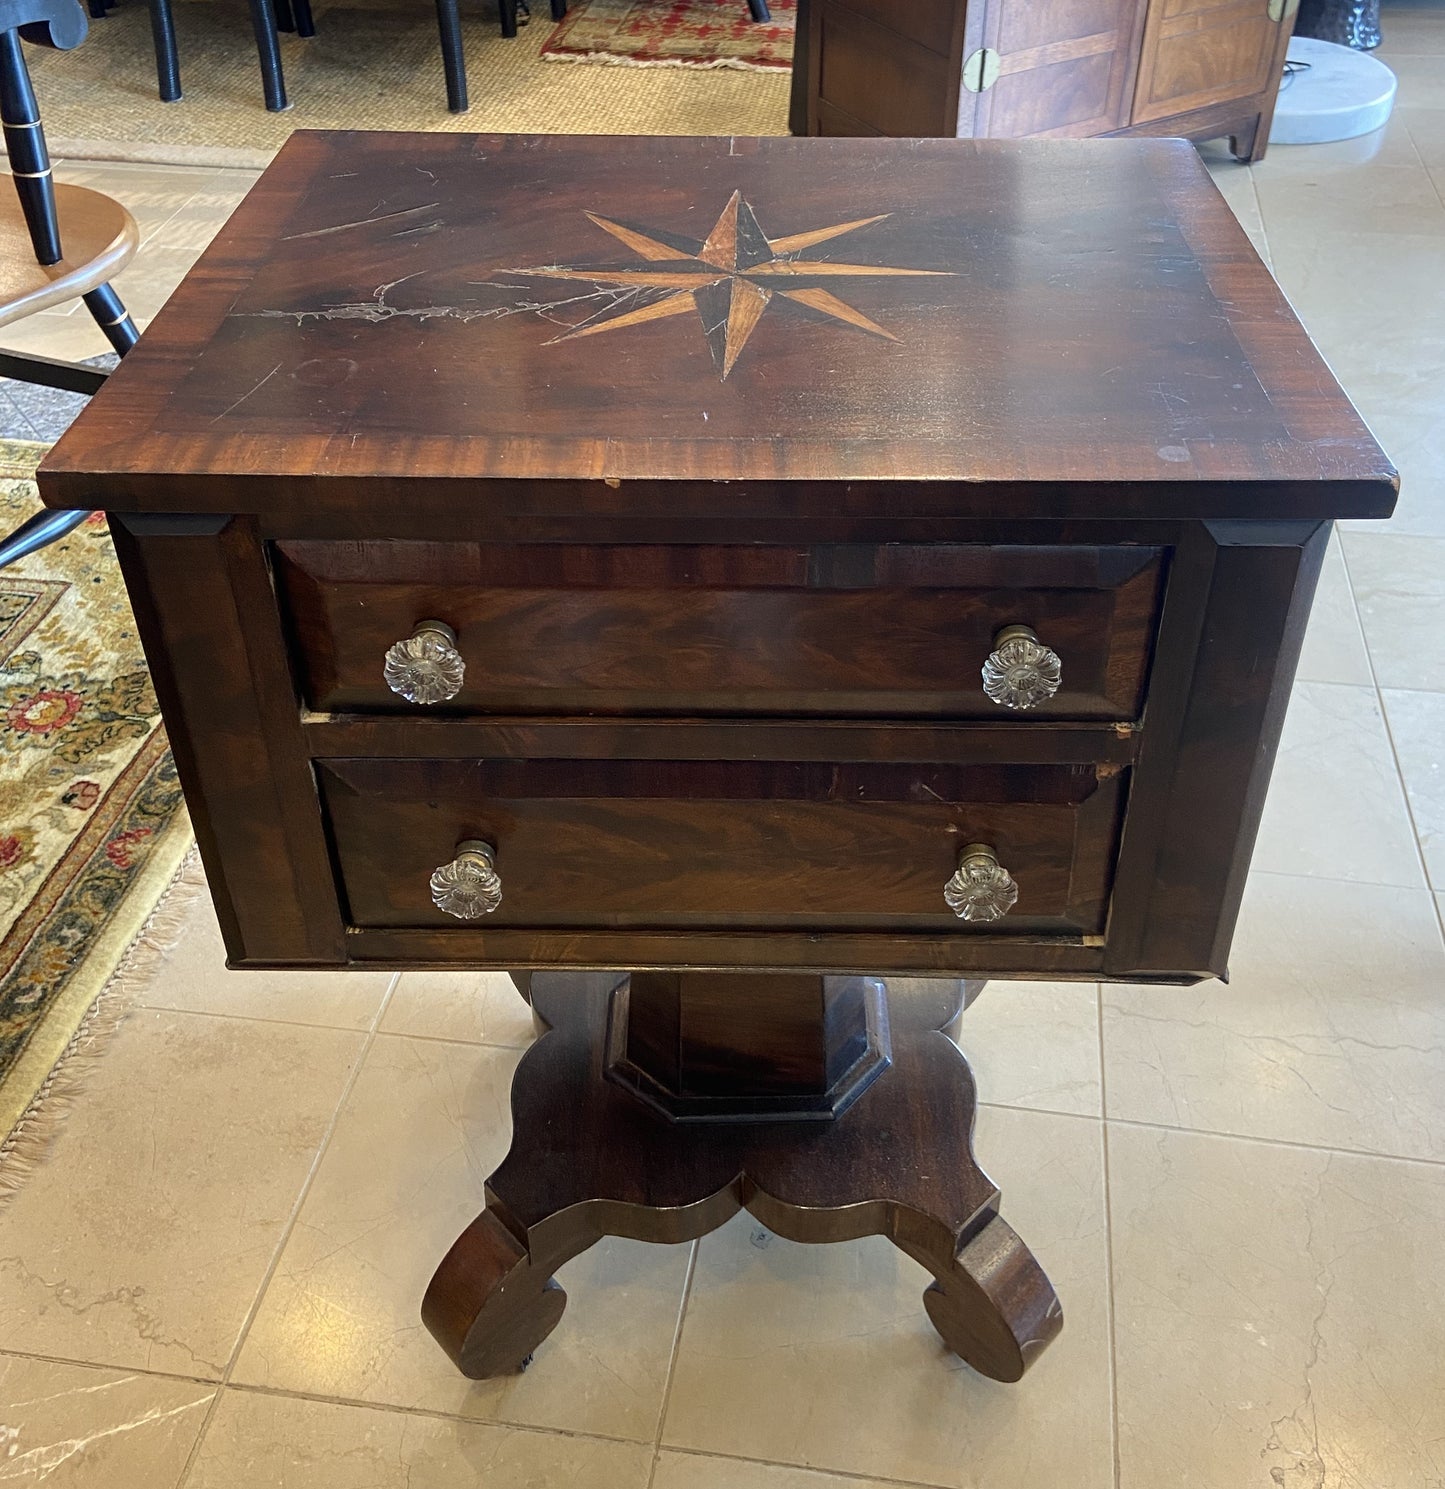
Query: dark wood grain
{"points": [[904, 952], [1206, 758], [1100, 354], [894, 630], [206, 616], [589, 1159], [728, 1047], [651, 844]]}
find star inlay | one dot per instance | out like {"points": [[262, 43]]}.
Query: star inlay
{"points": [[730, 280]]}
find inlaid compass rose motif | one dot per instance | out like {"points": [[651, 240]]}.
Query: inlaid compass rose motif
{"points": [[730, 280]]}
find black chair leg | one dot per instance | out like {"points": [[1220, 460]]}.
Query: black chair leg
{"points": [[305, 25], [559, 10], [454, 62], [25, 145], [96, 9], [263, 23], [759, 9], [509, 16], [43, 528], [112, 317], [285, 21], [168, 61]]}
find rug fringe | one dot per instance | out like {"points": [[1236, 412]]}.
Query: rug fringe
{"points": [[698, 64], [22, 1152]]}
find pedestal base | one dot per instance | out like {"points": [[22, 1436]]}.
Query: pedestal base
{"points": [[590, 1157]]}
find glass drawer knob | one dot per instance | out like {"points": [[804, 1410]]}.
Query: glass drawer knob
{"points": [[426, 667], [468, 887], [1021, 672], [981, 888]]}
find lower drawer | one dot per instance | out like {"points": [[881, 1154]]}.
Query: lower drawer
{"points": [[647, 844]]}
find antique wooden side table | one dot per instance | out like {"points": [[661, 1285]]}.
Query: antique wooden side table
{"points": [[706, 578]]}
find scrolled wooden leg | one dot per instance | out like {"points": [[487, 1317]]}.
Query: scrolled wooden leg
{"points": [[488, 1305], [994, 1306]]}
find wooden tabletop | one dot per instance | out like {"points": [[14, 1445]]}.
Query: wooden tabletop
{"points": [[1006, 328]]}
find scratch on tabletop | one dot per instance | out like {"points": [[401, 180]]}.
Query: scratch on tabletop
{"points": [[255, 388], [341, 227]]}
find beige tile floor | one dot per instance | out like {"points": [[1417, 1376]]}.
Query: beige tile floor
{"points": [[1240, 1191]]}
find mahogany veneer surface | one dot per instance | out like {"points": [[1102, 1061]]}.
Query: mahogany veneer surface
{"points": [[1015, 328]]}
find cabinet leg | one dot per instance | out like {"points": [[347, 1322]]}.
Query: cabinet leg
{"points": [[1248, 145]]}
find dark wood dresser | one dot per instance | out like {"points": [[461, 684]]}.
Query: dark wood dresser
{"points": [[1022, 69], [707, 579]]}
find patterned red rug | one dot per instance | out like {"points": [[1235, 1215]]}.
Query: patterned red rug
{"points": [[675, 33]]}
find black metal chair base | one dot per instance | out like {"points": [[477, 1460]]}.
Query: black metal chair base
{"points": [[41, 530], [47, 372]]}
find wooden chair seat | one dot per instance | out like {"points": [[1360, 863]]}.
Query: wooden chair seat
{"points": [[100, 239]]}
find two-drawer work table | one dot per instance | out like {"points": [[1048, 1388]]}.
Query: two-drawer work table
{"points": [[708, 579]]}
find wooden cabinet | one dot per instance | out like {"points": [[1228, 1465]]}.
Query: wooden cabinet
{"points": [[1064, 69], [1011, 69], [1199, 54], [746, 588]]}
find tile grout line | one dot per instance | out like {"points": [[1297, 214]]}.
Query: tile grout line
{"points": [[279, 1023], [672, 1360], [429, 1413], [849, 1475], [1216, 1132], [149, 1372], [322, 1148], [1108, 1242], [1272, 1142], [1389, 731]]}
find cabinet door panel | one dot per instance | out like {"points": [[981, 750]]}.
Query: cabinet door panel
{"points": [[1066, 68], [1202, 52], [882, 68]]}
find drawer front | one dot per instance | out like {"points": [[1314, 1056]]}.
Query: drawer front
{"points": [[897, 630], [622, 844]]}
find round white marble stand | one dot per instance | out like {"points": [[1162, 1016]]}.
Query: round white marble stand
{"points": [[1343, 94]]}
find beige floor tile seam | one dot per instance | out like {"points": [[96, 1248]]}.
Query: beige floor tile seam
{"points": [[149, 1373], [1423, 887], [491, 1044], [261, 1018], [1436, 180], [148, 239], [672, 1363], [1273, 1142], [847, 1475], [1435, 889], [285, 1236], [391, 1408], [1389, 731], [1018, 1106], [1113, 1332]]}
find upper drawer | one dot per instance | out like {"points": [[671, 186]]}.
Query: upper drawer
{"points": [[896, 630]]}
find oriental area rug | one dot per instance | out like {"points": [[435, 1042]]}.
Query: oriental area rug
{"points": [[92, 825], [675, 33]]}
